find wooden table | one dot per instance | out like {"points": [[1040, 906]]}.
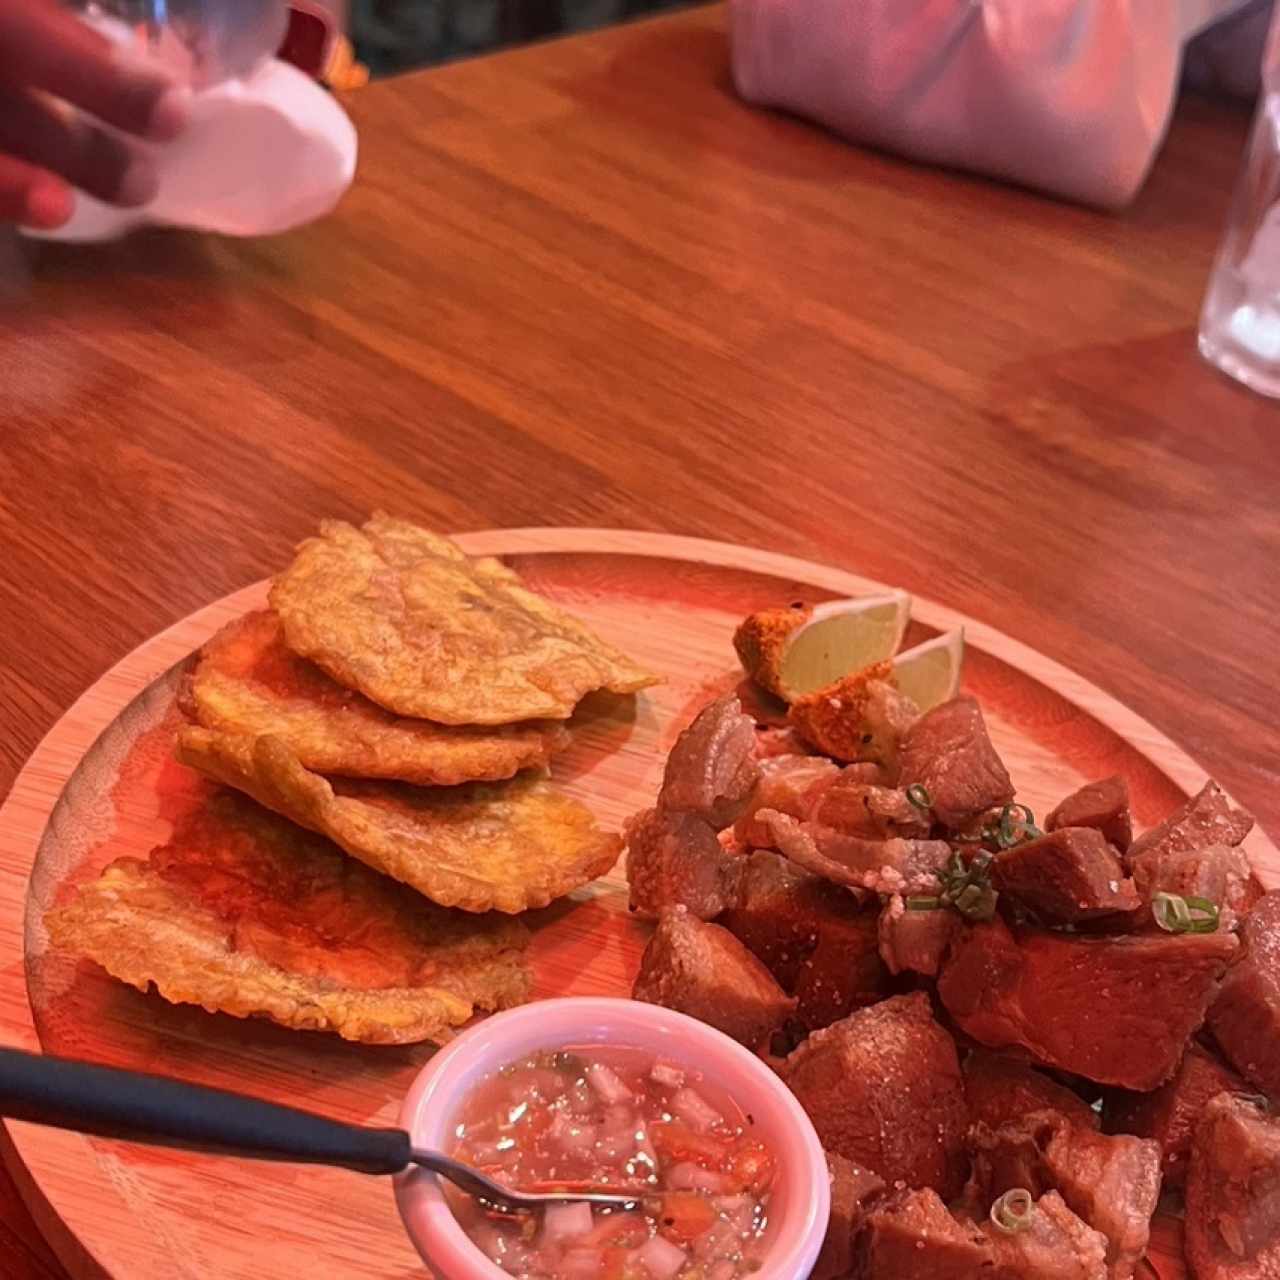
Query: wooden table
{"points": [[582, 284]]}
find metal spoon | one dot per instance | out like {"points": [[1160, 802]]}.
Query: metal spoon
{"points": [[477, 1184], [170, 1113]]}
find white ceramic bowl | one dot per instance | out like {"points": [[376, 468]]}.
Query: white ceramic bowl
{"points": [[801, 1197]]}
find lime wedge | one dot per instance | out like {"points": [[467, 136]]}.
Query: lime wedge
{"points": [[840, 637], [930, 673]]}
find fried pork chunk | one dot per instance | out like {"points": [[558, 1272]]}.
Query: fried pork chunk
{"points": [[1245, 1018], [913, 1236], [842, 972], [1103, 805], [1116, 1010], [1071, 874], [779, 740], [1205, 819], [948, 753], [674, 859], [883, 1089], [761, 639], [818, 940], [1218, 873], [1233, 1193], [712, 767], [853, 1191], [860, 717], [915, 941], [1170, 1113], [1059, 1245], [1002, 1091], [882, 866], [704, 971], [854, 806], [673, 855], [1112, 1183], [787, 784], [851, 801], [1194, 853], [780, 912]]}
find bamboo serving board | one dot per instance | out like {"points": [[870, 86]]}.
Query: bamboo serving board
{"points": [[102, 784]]}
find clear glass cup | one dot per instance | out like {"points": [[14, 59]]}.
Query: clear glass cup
{"points": [[202, 42], [1240, 323]]}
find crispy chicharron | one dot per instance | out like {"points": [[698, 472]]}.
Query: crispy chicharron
{"points": [[506, 847], [244, 913], [405, 617], [248, 681]]}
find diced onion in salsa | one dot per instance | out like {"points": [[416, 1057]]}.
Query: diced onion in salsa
{"points": [[617, 1119]]}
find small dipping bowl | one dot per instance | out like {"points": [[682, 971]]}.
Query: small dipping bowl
{"points": [[800, 1200]]}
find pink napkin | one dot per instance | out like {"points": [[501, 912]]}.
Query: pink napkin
{"points": [[262, 155], [1070, 96]]}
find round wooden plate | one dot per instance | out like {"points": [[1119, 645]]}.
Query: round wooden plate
{"points": [[101, 784]]}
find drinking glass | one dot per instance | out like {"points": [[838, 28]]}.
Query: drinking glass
{"points": [[203, 42], [1240, 323]]}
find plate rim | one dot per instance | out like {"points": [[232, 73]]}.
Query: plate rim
{"points": [[27, 808]]}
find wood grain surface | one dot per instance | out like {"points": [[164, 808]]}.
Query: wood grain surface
{"points": [[104, 784], [581, 284]]}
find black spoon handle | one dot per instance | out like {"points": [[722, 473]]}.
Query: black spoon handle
{"points": [[169, 1113]]}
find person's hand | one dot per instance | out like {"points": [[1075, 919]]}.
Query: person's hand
{"points": [[51, 62]]}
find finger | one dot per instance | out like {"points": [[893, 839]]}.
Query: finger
{"points": [[44, 46], [31, 197], [90, 158]]}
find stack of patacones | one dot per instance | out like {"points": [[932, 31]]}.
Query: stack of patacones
{"points": [[1008, 1039], [383, 732]]}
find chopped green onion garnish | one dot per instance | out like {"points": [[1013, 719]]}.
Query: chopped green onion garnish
{"points": [[919, 796], [1014, 1211], [976, 902], [1176, 914], [923, 904], [1016, 824], [1171, 912], [1204, 915], [966, 886]]}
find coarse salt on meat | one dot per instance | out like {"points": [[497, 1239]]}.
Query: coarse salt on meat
{"points": [[712, 767]]}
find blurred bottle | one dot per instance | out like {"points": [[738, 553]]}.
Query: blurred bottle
{"points": [[316, 43], [1240, 323], [202, 42]]}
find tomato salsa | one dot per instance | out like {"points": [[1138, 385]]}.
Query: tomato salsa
{"points": [[616, 1118]]}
